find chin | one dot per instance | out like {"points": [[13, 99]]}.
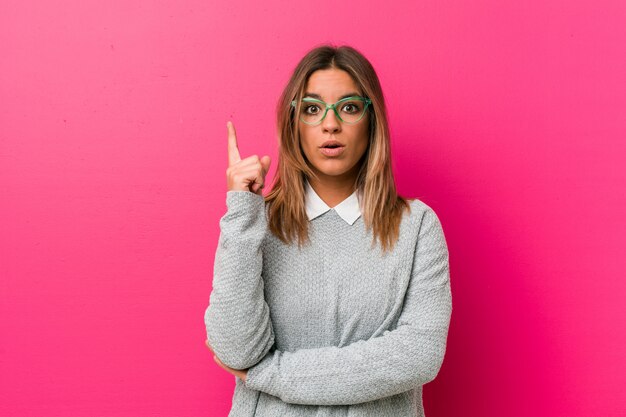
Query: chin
{"points": [[333, 171]]}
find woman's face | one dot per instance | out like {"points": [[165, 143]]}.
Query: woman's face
{"points": [[330, 85]]}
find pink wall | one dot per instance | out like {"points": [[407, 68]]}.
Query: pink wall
{"points": [[508, 118]]}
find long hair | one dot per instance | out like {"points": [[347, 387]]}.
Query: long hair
{"points": [[382, 207]]}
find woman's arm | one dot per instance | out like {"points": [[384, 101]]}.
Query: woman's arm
{"points": [[397, 361], [237, 319]]}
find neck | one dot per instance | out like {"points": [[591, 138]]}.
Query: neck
{"points": [[333, 189]]}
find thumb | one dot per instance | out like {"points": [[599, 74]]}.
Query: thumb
{"points": [[265, 163]]}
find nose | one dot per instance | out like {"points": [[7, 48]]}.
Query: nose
{"points": [[331, 123]]}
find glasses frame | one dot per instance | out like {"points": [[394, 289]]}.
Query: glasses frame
{"points": [[333, 106]]}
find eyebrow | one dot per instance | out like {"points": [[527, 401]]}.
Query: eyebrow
{"points": [[317, 96]]}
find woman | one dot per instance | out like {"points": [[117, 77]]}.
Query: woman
{"points": [[331, 295]]}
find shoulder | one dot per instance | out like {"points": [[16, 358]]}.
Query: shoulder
{"points": [[422, 214], [419, 208]]}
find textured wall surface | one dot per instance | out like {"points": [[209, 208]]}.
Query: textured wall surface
{"points": [[508, 118]]}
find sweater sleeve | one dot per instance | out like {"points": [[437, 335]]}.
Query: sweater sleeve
{"points": [[237, 319], [394, 362]]}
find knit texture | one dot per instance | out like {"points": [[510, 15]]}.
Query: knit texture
{"points": [[336, 328]]}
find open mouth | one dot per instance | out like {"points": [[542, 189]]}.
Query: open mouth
{"points": [[332, 150]]}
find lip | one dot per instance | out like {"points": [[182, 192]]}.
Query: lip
{"points": [[332, 151], [331, 142]]}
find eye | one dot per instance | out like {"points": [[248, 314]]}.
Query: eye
{"points": [[311, 109], [351, 107]]}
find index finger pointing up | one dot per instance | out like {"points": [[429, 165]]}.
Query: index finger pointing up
{"points": [[233, 150]]}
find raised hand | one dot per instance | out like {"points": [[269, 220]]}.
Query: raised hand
{"points": [[246, 174]]}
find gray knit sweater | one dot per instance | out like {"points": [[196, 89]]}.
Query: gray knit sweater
{"points": [[335, 328]]}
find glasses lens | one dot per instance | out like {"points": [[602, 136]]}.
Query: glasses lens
{"points": [[311, 111], [351, 110]]}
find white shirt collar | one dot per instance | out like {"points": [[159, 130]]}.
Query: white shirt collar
{"points": [[348, 209]]}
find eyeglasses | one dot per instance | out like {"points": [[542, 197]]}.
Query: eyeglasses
{"points": [[351, 109]]}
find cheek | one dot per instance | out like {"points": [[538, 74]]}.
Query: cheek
{"points": [[309, 133], [307, 144], [363, 141]]}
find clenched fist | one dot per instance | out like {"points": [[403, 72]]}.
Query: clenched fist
{"points": [[244, 174]]}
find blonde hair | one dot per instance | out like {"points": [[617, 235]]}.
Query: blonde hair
{"points": [[382, 207]]}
